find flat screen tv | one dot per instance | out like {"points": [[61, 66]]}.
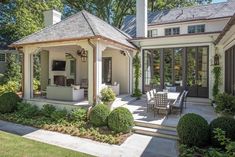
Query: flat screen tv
{"points": [[58, 65]]}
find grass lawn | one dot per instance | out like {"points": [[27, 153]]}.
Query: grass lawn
{"points": [[13, 145]]}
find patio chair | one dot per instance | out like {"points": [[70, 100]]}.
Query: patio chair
{"points": [[150, 101], [179, 103], [161, 103], [185, 97], [152, 94]]}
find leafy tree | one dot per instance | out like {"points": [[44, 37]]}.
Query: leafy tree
{"points": [[113, 11], [19, 18], [13, 72]]}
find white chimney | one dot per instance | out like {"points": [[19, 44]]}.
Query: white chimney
{"points": [[141, 18], [51, 17]]}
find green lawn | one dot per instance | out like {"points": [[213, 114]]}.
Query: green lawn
{"points": [[13, 145]]}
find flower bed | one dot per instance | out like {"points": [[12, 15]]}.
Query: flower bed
{"points": [[74, 123]]}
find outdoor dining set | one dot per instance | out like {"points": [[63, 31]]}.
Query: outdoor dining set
{"points": [[167, 100]]}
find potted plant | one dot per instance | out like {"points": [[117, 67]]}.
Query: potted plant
{"points": [[107, 96]]}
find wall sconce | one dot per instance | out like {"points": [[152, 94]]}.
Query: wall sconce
{"points": [[123, 53], [216, 59], [83, 54]]}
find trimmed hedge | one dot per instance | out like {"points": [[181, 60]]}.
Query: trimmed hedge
{"points": [[8, 102], [99, 115], [227, 124], [120, 120], [193, 130]]}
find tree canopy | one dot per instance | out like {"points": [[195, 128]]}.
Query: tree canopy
{"points": [[19, 18], [113, 11]]}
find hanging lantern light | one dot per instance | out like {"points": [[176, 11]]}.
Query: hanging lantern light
{"points": [[216, 59], [84, 55]]}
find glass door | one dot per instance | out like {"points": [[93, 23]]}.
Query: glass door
{"points": [[197, 71]]}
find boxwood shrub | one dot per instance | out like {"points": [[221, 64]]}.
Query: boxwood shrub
{"points": [[8, 102], [227, 124], [120, 120], [193, 130], [99, 115]]}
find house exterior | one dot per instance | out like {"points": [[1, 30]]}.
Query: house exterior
{"points": [[178, 45], [83, 54]]}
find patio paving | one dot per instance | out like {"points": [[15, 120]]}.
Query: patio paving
{"points": [[139, 110]]}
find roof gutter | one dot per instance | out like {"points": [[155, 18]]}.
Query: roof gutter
{"points": [[94, 70]]}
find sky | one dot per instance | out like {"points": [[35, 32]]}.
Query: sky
{"points": [[217, 1]]}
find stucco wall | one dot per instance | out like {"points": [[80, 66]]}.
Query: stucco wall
{"points": [[210, 26], [119, 68], [58, 53]]}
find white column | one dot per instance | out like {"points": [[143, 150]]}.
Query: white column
{"points": [[28, 74], [90, 76], [99, 49]]}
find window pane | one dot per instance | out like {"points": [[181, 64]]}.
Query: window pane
{"points": [[168, 31], [191, 29], [168, 55], [149, 33], [156, 68], [2, 57], [176, 31], [107, 70], [202, 66], [191, 66], [154, 32], [72, 67], [178, 67]]}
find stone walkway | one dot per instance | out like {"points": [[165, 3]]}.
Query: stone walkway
{"points": [[135, 146]]}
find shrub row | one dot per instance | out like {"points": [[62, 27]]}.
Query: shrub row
{"points": [[194, 130], [119, 120]]}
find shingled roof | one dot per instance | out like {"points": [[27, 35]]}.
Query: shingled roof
{"points": [[201, 12], [81, 25]]}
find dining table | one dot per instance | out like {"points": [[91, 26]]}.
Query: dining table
{"points": [[172, 96]]}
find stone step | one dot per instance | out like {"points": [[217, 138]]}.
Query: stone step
{"points": [[154, 126], [156, 132]]}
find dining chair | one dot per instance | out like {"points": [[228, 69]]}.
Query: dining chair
{"points": [[185, 97], [161, 103], [179, 103], [152, 94], [150, 101]]}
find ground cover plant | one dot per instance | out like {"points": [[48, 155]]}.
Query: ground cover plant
{"points": [[74, 123]]}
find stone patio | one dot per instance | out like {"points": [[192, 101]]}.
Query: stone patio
{"points": [[139, 110]]}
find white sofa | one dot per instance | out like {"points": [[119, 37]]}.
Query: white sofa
{"points": [[64, 93]]}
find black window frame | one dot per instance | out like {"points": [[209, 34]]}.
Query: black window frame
{"points": [[171, 31], [4, 56], [103, 71], [196, 29], [150, 33]]}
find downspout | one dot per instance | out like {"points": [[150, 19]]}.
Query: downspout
{"points": [[94, 70]]}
